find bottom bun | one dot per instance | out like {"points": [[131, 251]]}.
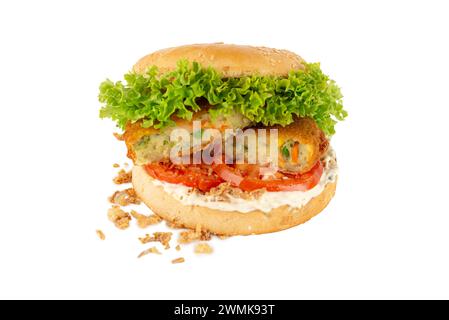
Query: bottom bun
{"points": [[225, 222]]}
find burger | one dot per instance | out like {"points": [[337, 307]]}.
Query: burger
{"points": [[231, 138]]}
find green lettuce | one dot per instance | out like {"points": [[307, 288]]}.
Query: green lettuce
{"points": [[155, 98]]}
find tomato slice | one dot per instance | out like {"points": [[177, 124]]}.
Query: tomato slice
{"points": [[245, 177], [302, 182], [194, 176], [297, 182]]}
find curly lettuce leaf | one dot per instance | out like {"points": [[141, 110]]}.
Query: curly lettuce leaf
{"points": [[155, 98]]}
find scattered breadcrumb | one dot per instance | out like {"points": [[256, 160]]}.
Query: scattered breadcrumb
{"points": [[178, 248], [225, 191], [178, 260], [144, 221], [146, 239], [119, 217], [100, 234], [126, 164], [116, 165], [162, 237], [147, 251], [203, 248], [124, 197], [194, 235], [118, 136], [123, 177]]}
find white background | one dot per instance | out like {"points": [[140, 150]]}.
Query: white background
{"points": [[384, 235]]}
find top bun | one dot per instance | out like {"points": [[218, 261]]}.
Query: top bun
{"points": [[228, 59]]}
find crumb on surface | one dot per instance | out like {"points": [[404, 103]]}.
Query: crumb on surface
{"points": [[203, 248], [126, 164], [178, 260], [148, 251], [194, 235], [178, 248], [123, 177], [144, 221], [100, 234], [116, 165], [162, 237], [225, 191], [119, 217], [124, 197]]}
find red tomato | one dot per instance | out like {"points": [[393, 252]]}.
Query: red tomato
{"points": [[302, 182], [297, 182], [195, 176], [244, 177]]}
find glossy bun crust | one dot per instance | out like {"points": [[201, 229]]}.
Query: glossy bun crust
{"points": [[228, 59]]}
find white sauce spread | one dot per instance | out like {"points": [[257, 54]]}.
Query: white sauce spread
{"points": [[266, 202]]}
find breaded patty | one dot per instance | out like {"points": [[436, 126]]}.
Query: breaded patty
{"points": [[152, 145], [301, 144]]}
